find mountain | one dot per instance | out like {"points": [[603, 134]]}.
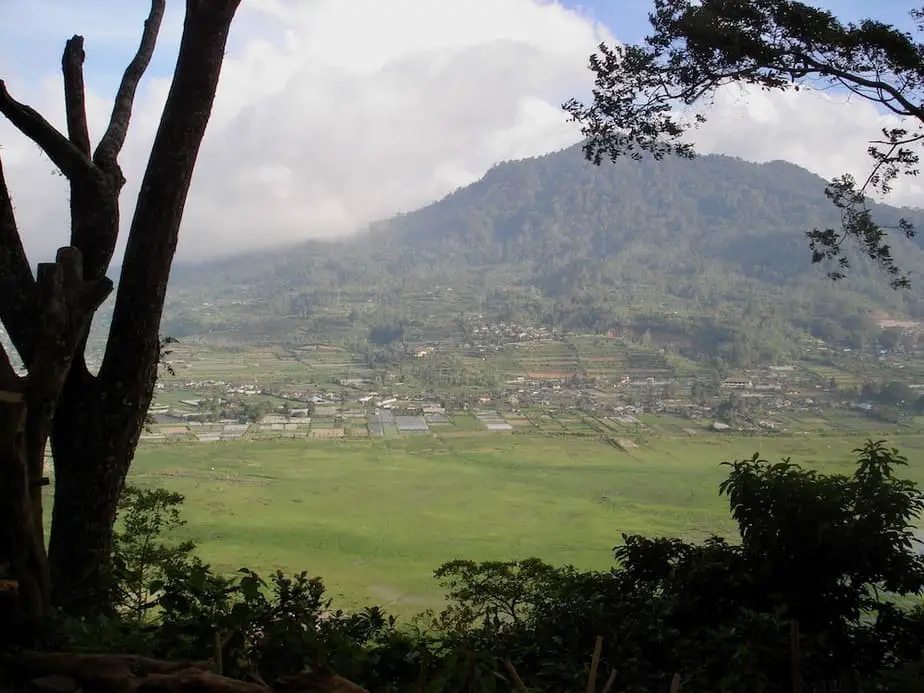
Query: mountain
{"points": [[557, 209], [564, 240]]}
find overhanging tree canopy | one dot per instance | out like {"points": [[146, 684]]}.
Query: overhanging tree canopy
{"points": [[698, 46]]}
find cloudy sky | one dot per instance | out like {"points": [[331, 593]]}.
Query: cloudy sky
{"points": [[333, 113]]}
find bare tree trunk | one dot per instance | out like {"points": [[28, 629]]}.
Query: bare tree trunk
{"points": [[86, 495], [24, 601], [65, 304], [93, 454], [95, 421]]}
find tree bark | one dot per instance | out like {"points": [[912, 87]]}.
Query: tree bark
{"points": [[24, 599], [86, 491], [65, 303], [94, 422], [100, 419]]}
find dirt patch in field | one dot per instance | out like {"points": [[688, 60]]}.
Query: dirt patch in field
{"points": [[626, 444], [174, 429], [327, 433], [603, 359]]}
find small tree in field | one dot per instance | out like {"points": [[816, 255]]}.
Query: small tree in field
{"points": [[699, 46], [142, 554], [93, 421]]}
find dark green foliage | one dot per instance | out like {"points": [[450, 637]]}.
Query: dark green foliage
{"points": [[496, 592], [271, 630], [827, 546], [892, 393], [890, 339], [141, 557], [829, 552], [276, 630], [382, 335], [256, 410], [696, 47]]}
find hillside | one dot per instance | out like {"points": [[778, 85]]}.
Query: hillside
{"points": [[675, 214], [562, 240]]}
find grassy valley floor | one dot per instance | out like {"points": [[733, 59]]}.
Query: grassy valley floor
{"points": [[374, 518]]}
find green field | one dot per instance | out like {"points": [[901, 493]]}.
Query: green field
{"points": [[375, 517]]}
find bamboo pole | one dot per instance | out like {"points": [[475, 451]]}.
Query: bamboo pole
{"points": [[608, 686], [594, 664]]}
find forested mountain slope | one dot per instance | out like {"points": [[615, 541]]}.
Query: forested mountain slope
{"points": [[566, 241], [674, 214]]}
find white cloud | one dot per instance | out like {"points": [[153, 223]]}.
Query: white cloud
{"points": [[827, 133], [334, 113]]}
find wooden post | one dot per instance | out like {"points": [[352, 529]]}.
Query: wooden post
{"points": [[594, 664]]}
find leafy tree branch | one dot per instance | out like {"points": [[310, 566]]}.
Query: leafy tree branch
{"points": [[647, 97]]}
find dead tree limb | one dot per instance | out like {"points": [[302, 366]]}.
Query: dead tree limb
{"points": [[75, 95], [114, 138], [62, 152], [17, 285]]}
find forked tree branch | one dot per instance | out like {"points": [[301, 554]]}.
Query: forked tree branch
{"points": [[17, 285], [66, 156], [84, 199], [75, 94], [114, 138], [130, 360], [847, 78]]}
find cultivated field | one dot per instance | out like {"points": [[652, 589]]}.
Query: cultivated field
{"points": [[374, 517]]}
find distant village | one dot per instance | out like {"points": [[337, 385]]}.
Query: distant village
{"points": [[765, 398]]}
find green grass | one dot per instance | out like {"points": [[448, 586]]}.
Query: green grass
{"points": [[375, 517]]}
